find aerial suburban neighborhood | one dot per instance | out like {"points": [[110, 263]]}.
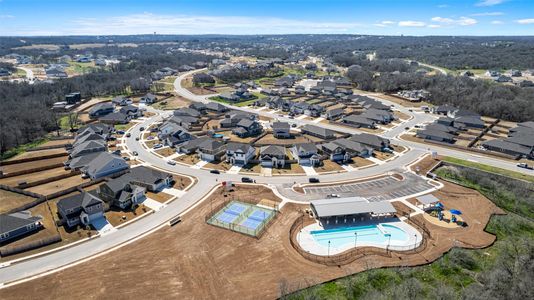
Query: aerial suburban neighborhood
{"points": [[147, 156]]}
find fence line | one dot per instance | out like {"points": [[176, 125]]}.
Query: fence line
{"points": [[351, 255]]}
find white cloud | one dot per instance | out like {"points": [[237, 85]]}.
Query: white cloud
{"points": [[384, 23], [462, 21], [185, 24], [6, 16], [484, 14], [412, 24], [525, 21], [443, 6], [489, 2], [497, 22], [434, 26]]}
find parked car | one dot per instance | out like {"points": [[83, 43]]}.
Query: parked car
{"points": [[142, 128], [171, 162], [313, 180], [150, 138], [126, 158], [294, 125], [417, 126], [137, 138], [157, 146], [406, 128], [525, 166], [120, 131], [215, 172], [332, 196], [135, 153], [247, 180], [128, 135]]}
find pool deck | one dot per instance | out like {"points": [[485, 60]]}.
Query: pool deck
{"points": [[308, 242]]}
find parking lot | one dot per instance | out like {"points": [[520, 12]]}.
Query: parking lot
{"points": [[381, 189]]}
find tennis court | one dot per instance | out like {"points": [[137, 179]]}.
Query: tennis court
{"points": [[242, 217]]}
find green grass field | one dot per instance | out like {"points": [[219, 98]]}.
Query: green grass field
{"points": [[488, 168]]}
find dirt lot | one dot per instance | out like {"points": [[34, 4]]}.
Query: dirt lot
{"points": [[33, 164], [256, 168], [10, 200], [223, 166], [39, 153], [425, 164], [117, 217], [358, 162], [166, 151], [188, 84], [58, 185], [329, 166], [197, 260], [401, 102], [57, 142], [160, 197], [269, 139], [32, 177], [189, 159], [172, 103], [235, 138], [289, 169], [382, 155]]}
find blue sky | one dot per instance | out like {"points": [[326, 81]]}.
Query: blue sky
{"points": [[384, 17]]}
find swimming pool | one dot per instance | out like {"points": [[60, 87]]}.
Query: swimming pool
{"points": [[345, 237]]}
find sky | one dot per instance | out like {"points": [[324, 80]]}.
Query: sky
{"points": [[377, 17]]}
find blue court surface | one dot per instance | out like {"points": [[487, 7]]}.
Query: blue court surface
{"points": [[256, 218], [242, 217], [227, 217]]}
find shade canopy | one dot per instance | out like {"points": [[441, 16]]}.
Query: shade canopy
{"points": [[455, 212]]}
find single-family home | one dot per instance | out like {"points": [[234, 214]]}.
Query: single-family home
{"points": [[273, 156], [334, 114], [216, 107], [101, 109], [148, 98], [317, 131], [306, 154], [281, 130], [508, 147], [359, 121], [18, 224], [81, 208], [89, 146], [435, 135], [121, 101], [105, 164], [246, 128], [371, 140], [115, 118], [211, 150], [239, 154]]}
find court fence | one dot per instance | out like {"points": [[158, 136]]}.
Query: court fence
{"points": [[351, 255], [211, 219]]}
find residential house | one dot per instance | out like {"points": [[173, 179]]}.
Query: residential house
{"points": [[273, 156], [246, 127], [334, 114], [185, 111], [336, 152], [90, 146], [115, 118], [18, 224], [359, 121], [441, 127], [239, 154], [132, 111], [184, 121], [435, 135], [173, 134], [148, 98], [353, 148], [231, 119], [378, 115], [101, 109], [216, 107], [306, 154], [198, 106], [508, 147], [317, 131], [121, 101], [121, 193], [211, 150], [373, 141], [81, 208], [469, 121], [105, 164], [281, 130], [314, 110]]}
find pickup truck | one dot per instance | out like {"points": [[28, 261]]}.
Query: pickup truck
{"points": [[525, 166]]}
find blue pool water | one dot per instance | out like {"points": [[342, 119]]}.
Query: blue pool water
{"points": [[343, 236]]}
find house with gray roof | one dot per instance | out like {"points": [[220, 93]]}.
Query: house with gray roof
{"points": [[239, 154], [211, 150], [507, 147], [184, 121], [173, 134], [121, 101], [246, 128], [359, 121], [101, 109], [185, 111], [273, 156], [306, 154], [371, 140], [353, 148], [148, 98], [115, 118], [281, 130], [90, 146], [317, 131], [216, 107], [81, 208], [105, 164], [334, 114], [435, 135], [469, 121], [18, 224]]}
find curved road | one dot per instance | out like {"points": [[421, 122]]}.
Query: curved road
{"points": [[28, 269]]}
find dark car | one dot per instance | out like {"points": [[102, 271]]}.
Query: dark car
{"points": [[215, 172], [128, 134], [247, 180], [313, 180], [135, 153], [142, 128]]}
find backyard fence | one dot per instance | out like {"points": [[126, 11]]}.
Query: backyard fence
{"points": [[23, 172], [11, 250], [23, 160]]}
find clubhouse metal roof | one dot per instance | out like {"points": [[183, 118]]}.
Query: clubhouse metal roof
{"points": [[349, 206], [427, 199]]}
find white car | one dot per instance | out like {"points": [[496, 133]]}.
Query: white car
{"points": [[171, 162]]}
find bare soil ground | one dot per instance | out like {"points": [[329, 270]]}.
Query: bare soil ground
{"points": [[223, 166], [181, 182], [117, 217], [171, 103], [32, 177], [401, 102], [39, 153], [189, 159], [197, 260], [329, 166], [188, 84], [360, 162], [289, 169], [269, 139], [425, 164], [400, 115], [166, 151], [382, 155], [160, 197], [58, 185], [256, 168], [33, 164], [10, 200], [57, 142]]}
